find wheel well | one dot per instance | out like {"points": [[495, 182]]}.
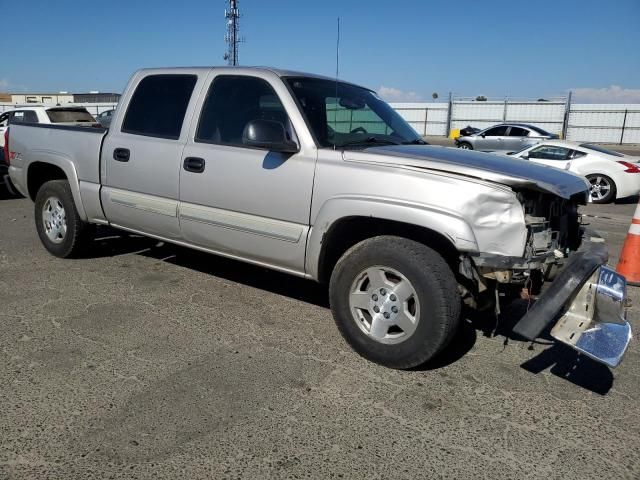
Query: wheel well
{"points": [[40, 173], [346, 232]]}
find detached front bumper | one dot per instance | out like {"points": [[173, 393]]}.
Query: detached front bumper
{"points": [[588, 302]]}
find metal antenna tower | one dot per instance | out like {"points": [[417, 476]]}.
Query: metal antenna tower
{"points": [[232, 37]]}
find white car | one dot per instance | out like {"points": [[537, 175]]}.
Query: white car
{"points": [[612, 175], [48, 115]]}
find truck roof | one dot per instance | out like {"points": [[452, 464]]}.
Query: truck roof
{"points": [[245, 70]]}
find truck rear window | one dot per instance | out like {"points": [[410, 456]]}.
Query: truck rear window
{"points": [[69, 115], [158, 106]]}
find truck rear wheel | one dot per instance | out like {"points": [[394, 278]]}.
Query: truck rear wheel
{"points": [[60, 228], [395, 301]]}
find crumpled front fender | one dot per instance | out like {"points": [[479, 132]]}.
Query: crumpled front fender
{"points": [[449, 224]]}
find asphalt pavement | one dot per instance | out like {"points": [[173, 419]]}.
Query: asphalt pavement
{"points": [[147, 360]]}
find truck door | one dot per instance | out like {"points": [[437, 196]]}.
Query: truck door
{"points": [[141, 153], [244, 201]]}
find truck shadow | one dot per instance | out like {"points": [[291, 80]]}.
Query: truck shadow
{"points": [[5, 194], [110, 242], [562, 361]]}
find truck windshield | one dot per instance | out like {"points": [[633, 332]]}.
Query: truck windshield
{"points": [[346, 116], [69, 115]]}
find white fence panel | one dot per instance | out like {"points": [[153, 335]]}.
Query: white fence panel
{"points": [[547, 115], [598, 123], [632, 126], [594, 134], [533, 112], [425, 118], [478, 111], [604, 123]]}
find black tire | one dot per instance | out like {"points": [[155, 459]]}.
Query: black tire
{"points": [[598, 178], [465, 146], [78, 232], [435, 287]]}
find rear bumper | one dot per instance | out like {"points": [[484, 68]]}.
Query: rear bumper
{"points": [[628, 186], [587, 301]]}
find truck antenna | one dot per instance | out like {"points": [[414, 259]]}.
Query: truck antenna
{"points": [[335, 112]]}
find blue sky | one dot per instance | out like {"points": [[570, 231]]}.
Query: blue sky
{"points": [[406, 50]]}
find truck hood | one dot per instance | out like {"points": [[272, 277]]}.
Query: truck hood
{"points": [[510, 171]]}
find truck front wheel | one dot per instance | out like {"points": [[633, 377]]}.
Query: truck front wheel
{"points": [[395, 301], [60, 228]]}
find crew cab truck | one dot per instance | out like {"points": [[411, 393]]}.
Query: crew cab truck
{"points": [[321, 179]]}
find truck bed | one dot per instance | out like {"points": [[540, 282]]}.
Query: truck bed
{"points": [[75, 147]]}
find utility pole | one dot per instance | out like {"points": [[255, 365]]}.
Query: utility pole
{"points": [[232, 37]]}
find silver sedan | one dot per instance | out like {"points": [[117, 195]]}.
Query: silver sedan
{"points": [[506, 137]]}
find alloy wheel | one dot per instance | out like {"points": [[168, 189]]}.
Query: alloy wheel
{"points": [[384, 305], [54, 219]]}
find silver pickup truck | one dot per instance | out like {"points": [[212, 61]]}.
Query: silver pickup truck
{"points": [[322, 179]]}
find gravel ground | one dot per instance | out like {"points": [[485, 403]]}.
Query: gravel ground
{"points": [[152, 361]]}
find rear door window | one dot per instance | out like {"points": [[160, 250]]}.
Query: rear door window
{"points": [[500, 131], [30, 116], [518, 132], [158, 106]]}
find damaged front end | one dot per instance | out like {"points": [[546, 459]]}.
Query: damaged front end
{"points": [[586, 299]]}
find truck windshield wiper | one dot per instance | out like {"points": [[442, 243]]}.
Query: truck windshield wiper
{"points": [[369, 140], [415, 141]]}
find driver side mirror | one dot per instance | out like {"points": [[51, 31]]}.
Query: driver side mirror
{"points": [[525, 156], [269, 135], [483, 135]]}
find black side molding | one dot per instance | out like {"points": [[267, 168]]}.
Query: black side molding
{"points": [[557, 298]]}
